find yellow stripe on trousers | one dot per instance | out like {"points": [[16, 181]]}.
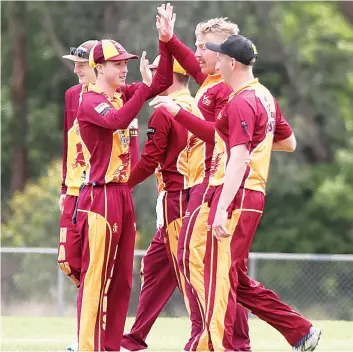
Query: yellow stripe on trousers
{"points": [[221, 280], [222, 284], [173, 231], [97, 232]]}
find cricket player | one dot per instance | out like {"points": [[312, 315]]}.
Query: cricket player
{"points": [[104, 212], [74, 161], [166, 148], [210, 99], [249, 127]]}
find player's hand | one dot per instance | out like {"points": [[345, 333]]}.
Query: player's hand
{"points": [[61, 202], [166, 102], [146, 72], [165, 21], [219, 230]]}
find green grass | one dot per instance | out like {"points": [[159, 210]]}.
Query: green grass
{"points": [[168, 334]]}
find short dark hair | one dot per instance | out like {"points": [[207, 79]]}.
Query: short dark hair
{"points": [[182, 79]]}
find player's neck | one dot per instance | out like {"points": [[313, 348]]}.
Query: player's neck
{"points": [[174, 88], [106, 88], [240, 79]]}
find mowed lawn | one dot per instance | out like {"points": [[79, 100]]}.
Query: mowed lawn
{"points": [[168, 334]]}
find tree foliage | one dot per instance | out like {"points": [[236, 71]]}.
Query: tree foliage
{"points": [[305, 59]]}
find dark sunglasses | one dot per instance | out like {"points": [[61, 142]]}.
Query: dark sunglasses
{"points": [[80, 52]]}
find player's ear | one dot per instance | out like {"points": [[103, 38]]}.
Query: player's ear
{"points": [[234, 64], [99, 69]]}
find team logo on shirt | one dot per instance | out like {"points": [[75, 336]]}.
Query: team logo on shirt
{"points": [[80, 159], [215, 163], [103, 108], [244, 126], [150, 133], [206, 100], [121, 173], [124, 139]]}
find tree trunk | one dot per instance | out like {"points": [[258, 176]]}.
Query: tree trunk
{"points": [[19, 123], [346, 8]]}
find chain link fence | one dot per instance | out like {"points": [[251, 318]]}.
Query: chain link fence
{"points": [[318, 286]]}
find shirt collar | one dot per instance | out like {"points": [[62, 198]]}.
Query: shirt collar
{"points": [[179, 93], [246, 85], [93, 88]]}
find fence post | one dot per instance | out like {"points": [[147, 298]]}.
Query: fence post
{"points": [[252, 268], [60, 293], [252, 274]]}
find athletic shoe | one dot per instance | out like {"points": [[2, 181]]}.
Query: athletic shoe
{"points": [[309, 341], [73, 347]]}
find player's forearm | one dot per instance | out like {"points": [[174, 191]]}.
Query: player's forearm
{"points": [[141, 171], [163, 77], [232, 181], [186, 57], [121, 119], [286, 145], [200, 128]]}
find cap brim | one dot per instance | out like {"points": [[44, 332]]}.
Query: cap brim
{"points": [[75, 58], [125, 56], [214, 47]]}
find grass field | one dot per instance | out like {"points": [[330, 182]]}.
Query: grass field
{"points": [[168, 334]]}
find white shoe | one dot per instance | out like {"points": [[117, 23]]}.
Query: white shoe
{"points": [[73, 347], [309, 341]]}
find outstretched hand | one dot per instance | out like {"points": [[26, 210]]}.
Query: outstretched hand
{"points": [[165, 102], [146, 72], [165, 21]]}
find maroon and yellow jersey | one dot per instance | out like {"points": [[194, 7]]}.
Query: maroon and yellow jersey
{"points": [[166, 148], [104, 126], [105, 123], [210, 100], [252, 117], [74, 153]]}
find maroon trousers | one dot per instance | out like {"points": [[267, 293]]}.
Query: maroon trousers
{"points": [[158, 284], [191, 259], [160, 274], [106, 223], [227, 282]]}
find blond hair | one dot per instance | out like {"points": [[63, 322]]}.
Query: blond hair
{"points": [[219, 25]]}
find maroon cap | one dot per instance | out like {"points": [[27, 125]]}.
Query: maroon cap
{"points": [[108, 50]]}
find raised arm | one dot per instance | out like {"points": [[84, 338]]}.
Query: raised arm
{"points": [[97, 110], [186, 57], [182, 53], [162, 79], [199, 127]]}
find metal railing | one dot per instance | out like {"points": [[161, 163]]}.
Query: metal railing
{"points": [[319, 285]]}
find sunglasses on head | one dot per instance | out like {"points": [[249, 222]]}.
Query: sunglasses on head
{"points": [[80, 52]]}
